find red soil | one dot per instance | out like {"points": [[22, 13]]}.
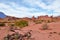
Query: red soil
{"points": [[37, 33]]}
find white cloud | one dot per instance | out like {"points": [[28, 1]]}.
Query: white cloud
{"points": [[17, 10]]}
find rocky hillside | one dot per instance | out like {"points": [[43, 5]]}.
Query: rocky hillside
{"points": [[2, 15]]}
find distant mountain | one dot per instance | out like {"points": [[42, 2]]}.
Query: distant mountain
{"points": [[2, 15]]}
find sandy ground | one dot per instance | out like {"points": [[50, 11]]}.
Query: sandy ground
{"points": [[53, 33]]}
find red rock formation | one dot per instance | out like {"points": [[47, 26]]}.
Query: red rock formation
{"points": [[33, 18], [45, 18]]}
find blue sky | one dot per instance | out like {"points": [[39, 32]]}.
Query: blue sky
{"points": [[29, 8]]}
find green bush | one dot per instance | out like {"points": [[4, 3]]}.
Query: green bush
{"points": [[21, 23], [2, 24]]}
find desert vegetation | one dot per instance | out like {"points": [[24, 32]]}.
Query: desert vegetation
{"points": [[17, 36], [2, 24], [48, 21], [38, 21], [15, 26], [21, 23], [45, 26]]}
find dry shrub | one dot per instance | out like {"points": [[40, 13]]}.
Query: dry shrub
{"points": [[45, 27], [2, 24], [38, 21]]}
